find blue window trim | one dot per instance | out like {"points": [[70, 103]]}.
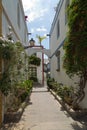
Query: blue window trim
{"points": [[61, 44]]}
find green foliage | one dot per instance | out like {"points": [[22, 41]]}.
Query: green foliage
{"points": [[23, 96], [27, 84], [5, 84], [33, 78], [65, 92], [34, 60], [6, 49], [75, 59], [52, 84], [24, 89], [49, 82], [13, 55], [40, 39]]}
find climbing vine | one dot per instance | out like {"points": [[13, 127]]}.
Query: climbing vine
{"points": [[75, 58], [13, 56]]}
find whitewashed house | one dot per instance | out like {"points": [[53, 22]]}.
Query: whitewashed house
{"points": [[12, 19], [37, 70], [13, 16], [57, 36]]}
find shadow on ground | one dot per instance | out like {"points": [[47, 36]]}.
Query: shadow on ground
{"points": [[63, 109], [12, 118], [38, 85], [81, 119], [78, 127]]}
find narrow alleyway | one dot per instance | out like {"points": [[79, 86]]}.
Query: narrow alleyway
{"points": [[45, 113]]}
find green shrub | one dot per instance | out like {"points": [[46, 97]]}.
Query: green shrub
{"points": [[23, 96], [49, 82], [34, 78], [24, 89], [65, 92], [28, 84], [52, 84]]}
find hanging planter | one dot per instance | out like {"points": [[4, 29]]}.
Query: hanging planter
{"points": [[34, 60]]}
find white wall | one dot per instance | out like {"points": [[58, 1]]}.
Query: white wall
{"points": [[9, 18], [61, 76], [40, 69], [10, 12]]}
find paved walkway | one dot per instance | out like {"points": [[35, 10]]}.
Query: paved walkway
{"points": [[45, 113]]}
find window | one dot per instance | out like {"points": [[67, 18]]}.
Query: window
{"points": [[24, 38], [18, 15], [58, 60], [66, 14], [58, 29], [33, 71]]}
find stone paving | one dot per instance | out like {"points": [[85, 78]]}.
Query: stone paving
{"points": [[45, 113]]}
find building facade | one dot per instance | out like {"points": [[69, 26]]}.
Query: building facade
{"points": [[12, 20], [58, 33], [13, 16], [40, 73], [37, 50]]}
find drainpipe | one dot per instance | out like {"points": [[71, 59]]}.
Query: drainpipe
{"points": [[42, 67]]}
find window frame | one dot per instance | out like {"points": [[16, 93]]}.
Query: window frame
{"points": [[33, 71], [58, 60], [58, 29], [18, 15]]}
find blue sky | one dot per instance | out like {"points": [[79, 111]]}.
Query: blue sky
{"points": [[40, 16]]}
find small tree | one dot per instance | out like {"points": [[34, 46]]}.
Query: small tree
{"points": [[75, 59], [40, 39]]}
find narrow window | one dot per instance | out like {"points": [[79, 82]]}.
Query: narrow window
{"points": [[18, 15], [58, 29], [58, 60], [66, 13]]}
